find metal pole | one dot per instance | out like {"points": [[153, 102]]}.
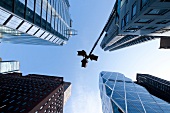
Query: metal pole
{"points": [[96, 42]]}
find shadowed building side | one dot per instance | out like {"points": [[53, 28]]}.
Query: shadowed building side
{"points": [[156, 86], [133, 22]]}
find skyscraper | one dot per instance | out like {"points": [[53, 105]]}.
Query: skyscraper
{"points": [[136, 21], [120, 94], [156, 86], [31, 94], [9, 66], [36, 22]]}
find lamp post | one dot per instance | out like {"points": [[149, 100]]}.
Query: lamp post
{"points": [[91, 56]]}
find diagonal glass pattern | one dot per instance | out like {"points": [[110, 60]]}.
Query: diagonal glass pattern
{"points": [[128, 96], [3, 16]]}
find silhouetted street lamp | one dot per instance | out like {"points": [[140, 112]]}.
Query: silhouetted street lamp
{"points": [[91, 56]]}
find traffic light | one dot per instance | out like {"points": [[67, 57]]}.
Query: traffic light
{"points": [[93, 57], [84, 62], [82, 53]]}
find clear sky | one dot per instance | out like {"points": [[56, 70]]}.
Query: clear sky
{"points": [[89, 18]]}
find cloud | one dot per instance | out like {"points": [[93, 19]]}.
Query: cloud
{"points": [[84, 99]]}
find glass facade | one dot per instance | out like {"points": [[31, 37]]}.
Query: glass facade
{"points": [[51, 17], [120, 94], [9, 66]]}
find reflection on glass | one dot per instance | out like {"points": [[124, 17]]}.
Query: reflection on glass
{"points": [[30, 10]]}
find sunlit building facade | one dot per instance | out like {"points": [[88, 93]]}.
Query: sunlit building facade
{"points": [[9, 66], [67, 91], [35, 22], [136, 21], [120, 94], [156, 86]]}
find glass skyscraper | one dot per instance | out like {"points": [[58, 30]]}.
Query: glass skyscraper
{"points": [[136, 21], [36, 22], [120, 94]]}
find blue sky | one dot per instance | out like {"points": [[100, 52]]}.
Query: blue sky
{"points": [[89, 18]]}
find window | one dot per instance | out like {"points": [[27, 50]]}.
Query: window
{"points": [[7, 4], [19, 7], [134, 9], [157, 12], [163, 22], [123, 2], [143, 3], [144, 21], [125, 20], [30, 10]]}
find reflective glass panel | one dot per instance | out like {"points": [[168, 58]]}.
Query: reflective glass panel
{"points": [[30, 10], [39, 33], [3, 16], [14, 22], [44, 35], [32, 30], [24, 27]]}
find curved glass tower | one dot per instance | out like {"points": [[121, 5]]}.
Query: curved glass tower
{"points": [[120, 94], [36, 22]]}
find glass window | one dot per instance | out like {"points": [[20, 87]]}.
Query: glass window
{"points": [[157, 12], [108, 91], [24, 27], [144, 21], [107, 75], [20, 8], [3, 16], [39, 33], [14, 22], [49, 36], [44, 12], [123, 2], [38, 12], [7, 4], [32, 30], [30, 10], [143, 3], [110, 84], [52, 39], [49, 18], [44, 35], [123, 24], [134, 9]]}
